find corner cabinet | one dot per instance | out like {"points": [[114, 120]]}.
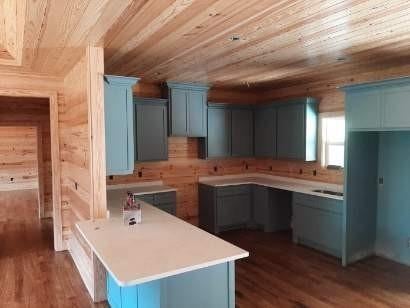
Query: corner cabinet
{"points": [[187, 109], [297, 123], [230, 131], [383, 105], [151, 129], [119, 124]]}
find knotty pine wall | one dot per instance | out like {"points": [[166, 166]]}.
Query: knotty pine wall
{"points": [[28, 111]]}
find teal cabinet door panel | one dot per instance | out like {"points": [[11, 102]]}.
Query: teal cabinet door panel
{"points": [[119, 124], [291, 131], [363, 109], [265, 132], [396, 107], [242, 132], [179, 113], [261, 204], [315, 226], [197, 114], [233, 210], [219, 133], [187, 109], [151, 126]]}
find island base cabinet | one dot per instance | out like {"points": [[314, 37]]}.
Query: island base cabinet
{"points": [[317, 223], [204, 288]]}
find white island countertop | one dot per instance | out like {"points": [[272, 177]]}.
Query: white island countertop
{"points": [[284, 183], [161, 246]]}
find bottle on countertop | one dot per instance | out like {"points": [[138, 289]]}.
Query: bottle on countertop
{"points": [[132, 212]]}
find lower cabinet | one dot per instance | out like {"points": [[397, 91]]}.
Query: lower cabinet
{"points": [[213, 286], [243, 206], [165, 201], [317, 223]]}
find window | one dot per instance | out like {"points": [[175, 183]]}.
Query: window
{"points": [[332, 139]]}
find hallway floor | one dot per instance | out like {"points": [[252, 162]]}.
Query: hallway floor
{"points": [[31, 273]]}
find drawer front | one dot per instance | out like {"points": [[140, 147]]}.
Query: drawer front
{"points": [[113, 292], [233, 210], [167, 197], [233, 190], [169, 208], [327, 204], [321, 228], [147, 198]]}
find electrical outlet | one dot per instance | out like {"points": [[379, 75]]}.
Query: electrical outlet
{"points": [[270, 168], [314, 172], [216, 168], [300, 171], [140, 174]]}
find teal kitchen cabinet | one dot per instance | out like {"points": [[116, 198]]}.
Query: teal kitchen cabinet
{"points": [[242, 132], [187, 109], [271, 208], [317, 223], [151, 129], [265, 132], [119, 124], [166, 201], [383, 105], [297, 123], [218, 141]]}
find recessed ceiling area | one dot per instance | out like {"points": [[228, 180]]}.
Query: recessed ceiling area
{"points": [[227, 43]]}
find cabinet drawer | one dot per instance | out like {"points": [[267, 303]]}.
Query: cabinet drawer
{"points": [[147, 198], [162, 198], [323, 203], [233, 190]]}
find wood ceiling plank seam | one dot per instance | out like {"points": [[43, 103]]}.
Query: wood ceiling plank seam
{"points": [[230, 55], [150, 25], [204, 45], [62, 20], [242, 62], [219, 30]]}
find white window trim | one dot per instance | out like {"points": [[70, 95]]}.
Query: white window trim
{"points": [[321, 144]]}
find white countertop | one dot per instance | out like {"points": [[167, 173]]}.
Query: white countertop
{"points": [[161, 246], [285, 183]]}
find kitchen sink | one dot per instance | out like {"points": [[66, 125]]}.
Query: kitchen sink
{"points": [[329, 192]]}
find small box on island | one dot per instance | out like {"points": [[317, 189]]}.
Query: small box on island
{"points": [[131, 212]]}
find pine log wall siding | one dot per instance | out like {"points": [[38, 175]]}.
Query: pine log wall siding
{"points": [[35, 112], [74, 148]]}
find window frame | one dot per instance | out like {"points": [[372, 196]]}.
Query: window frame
{"points": [[323, 145]]}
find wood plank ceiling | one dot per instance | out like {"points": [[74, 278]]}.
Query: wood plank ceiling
{"points": [[228, 43]]}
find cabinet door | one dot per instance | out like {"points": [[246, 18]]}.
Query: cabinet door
{"points": [[291, 131], [260, 213], [197, 114], [265, 132], [152, 141], [233, 210], [219, 133], [363, 109], [396, 107], [179, 112], [242, 132], [119, 129]]}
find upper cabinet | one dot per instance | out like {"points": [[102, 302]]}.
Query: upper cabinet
{"points": [[151, 129], [297, 129], [119, 124], [242, 132], [187, 109], [381, 105], [230, 132], [265, 132]]}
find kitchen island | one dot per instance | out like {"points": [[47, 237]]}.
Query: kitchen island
{"points": [[162, 262]]}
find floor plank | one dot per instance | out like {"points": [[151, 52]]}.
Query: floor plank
{"points": [[31, 273], [281, 274]]}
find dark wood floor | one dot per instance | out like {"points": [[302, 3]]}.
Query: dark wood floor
{"points": [[31, 273], [277, 274], [281, 274]]}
